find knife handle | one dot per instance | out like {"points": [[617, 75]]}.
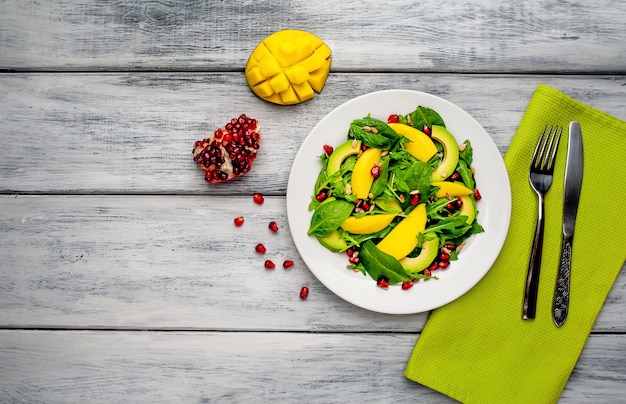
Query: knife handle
{"points": [[560, 304]]}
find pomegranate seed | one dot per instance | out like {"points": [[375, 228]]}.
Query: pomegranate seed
{"points": [[444, 256], [238, 221], [451, 206], [350, 252], [427, 272], [365, 206], [383, 282], [455, 177], [304, 293], [269, 264], [258, 199], [450, 246], [394, 118], [415, 198], [477, 195], [288, 264], [328, 150], [433, 266], [375, 171], [407, 285], [273, 227], [353, 260], [444, 264], [426, 130], [321, 196], [260, 248]]}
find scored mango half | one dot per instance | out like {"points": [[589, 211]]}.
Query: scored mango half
{"points": [[288, 67]]}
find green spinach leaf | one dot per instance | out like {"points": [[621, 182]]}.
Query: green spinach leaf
{"points": [[329, 216], [378, 263]]}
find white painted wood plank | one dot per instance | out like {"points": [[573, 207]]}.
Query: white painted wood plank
{"points": [[133, 133], [174, 262], [368, 35], [115, 367]]}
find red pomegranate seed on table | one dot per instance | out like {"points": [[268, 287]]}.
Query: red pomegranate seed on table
{"points": [[269, 264], [383, 282], [273, 226], [444, 264], [407, 285], [260, 248], [238, 221], [304, 293], [258, 198], [288, 264]]}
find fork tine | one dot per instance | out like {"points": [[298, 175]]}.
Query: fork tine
{"points": [[539, 156], [554, 145], [538, 153]]}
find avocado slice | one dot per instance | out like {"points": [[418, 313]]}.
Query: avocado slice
{"points": [[450, 153], [333, 242], [468, 208], [340, 153], [430, 249], [389, 205]]}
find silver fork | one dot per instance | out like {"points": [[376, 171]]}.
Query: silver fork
{"points": [[540, 178]]}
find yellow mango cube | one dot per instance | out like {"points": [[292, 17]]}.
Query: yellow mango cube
{"points": [[287, 60]]}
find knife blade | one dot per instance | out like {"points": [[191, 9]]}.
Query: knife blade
{"points": [[571, 193]]}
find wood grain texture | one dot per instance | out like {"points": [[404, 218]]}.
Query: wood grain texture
{"points": [[133, 133], [112, 367], [122, 276], [156, 262], [431, 36]]}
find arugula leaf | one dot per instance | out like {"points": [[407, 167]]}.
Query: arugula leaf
{"points": [[467, 154], [378, 263], [329, 216]]}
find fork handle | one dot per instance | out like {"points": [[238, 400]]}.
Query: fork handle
{"points": [[532, 278]]}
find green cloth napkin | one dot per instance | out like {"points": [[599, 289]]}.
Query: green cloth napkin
{"points": [[477, 349]]}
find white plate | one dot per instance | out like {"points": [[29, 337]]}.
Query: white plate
{"points": [[477, 256]]}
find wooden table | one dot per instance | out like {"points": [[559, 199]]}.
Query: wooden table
{"points": [[122, 276]]}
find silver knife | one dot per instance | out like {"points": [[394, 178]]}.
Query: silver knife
{"points": [[571, 193]]}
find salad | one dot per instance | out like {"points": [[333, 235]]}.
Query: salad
{"points": [[398, 197]]}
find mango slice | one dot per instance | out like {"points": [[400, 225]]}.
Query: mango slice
{"points": [[367, 224], [420, 146], [447, 188], [403, 238], [362, 178], [288, 67]]}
